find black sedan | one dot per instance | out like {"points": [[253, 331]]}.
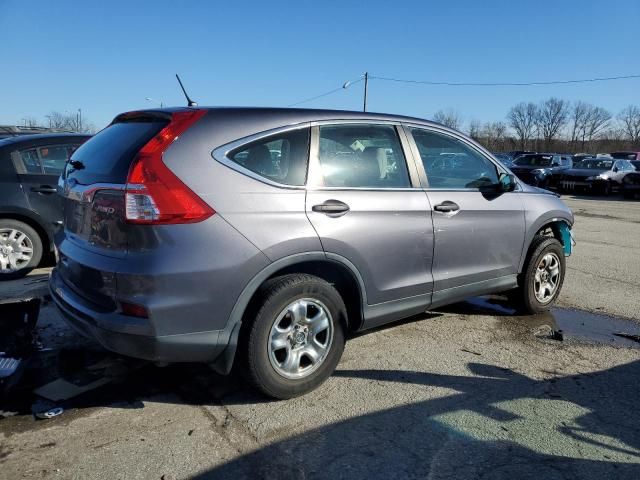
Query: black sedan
{"points": [[541, 169], [595, 175], [29, 207]]}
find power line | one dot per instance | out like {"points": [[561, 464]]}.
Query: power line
{"points": [[466, 84], [504, 84], [350, 82]]}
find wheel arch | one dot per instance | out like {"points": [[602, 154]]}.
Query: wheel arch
{"points": [[337, 270], [548, 226]]}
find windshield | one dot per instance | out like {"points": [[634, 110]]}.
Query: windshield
{"points": [[534, 160], [594, 164]]}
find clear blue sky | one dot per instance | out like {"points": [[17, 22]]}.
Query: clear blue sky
{"points": [[107, 56]]}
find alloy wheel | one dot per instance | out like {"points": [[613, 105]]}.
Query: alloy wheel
{"points": [[300, 338], [547, 278]]}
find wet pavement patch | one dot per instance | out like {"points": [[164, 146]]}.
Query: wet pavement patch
{"points": [[562, 324], [597, 328]]}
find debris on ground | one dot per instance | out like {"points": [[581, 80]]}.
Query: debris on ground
{"points": [[51, 413], [17, 339], [549, 333], [630, 336]]}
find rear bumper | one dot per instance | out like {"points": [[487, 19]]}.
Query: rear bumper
{"points": [[131, 336]]}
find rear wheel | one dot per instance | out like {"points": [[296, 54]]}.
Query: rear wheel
{"points": [[542, 277], [20, 249], [297, 338]]}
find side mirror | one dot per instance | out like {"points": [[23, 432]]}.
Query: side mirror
{"points": [[615, 169], [506, 182]]}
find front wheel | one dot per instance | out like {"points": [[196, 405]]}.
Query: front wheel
{"points": [[542, 277], [297, 337]]}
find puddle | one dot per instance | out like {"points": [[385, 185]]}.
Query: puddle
{"points": [[596, 328], [559, 323]]}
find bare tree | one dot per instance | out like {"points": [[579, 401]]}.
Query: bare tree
{"points": [[522, 118], [449, 118], [475, 129], [596, 122], [551, 118], [30, 122], [577, 116], [494, 135], [58, 120], [630, 119], [69, 121]]}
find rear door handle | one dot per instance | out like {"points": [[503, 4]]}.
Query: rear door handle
{"points": [[446, 207], [331, 208], [44, 189]]}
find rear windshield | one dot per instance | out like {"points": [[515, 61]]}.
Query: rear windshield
{"points": [[106, 157], [534, 160]]}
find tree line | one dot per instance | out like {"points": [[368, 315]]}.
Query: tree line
{"points": [[554, 125], [68, 122]]}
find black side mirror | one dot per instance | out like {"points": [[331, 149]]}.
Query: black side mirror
{"points": [[615, 169], [506, 182]]}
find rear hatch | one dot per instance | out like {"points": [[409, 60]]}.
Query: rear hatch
{"points": [[95, 178], [116, 190]]}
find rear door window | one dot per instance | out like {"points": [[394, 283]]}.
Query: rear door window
{"points": [[27, 162], [362, 156], [53, 158], [449, 163], [281, 158]]}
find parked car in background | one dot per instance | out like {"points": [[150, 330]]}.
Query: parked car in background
{"points": [[626, 155], [581, 156], [186, 239], [516, 153], [504, 158], [29, 207], [541, 169], [596, 175]]}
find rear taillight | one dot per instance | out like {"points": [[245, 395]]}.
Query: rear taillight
{"points": [[154, 195]]}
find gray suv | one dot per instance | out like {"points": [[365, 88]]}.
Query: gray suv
{"points": [[262, 237]]}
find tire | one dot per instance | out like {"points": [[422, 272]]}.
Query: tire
{"points": [[282, 368], [11, 233], [524, 296]]}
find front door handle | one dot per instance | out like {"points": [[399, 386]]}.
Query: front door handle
{"points": [[446, 207], [331, 208], [44, 189]]}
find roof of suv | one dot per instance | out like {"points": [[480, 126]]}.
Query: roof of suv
{"points": [[306, 114]]}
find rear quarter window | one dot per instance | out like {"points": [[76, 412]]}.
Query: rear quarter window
{"points": [[282, 158]]}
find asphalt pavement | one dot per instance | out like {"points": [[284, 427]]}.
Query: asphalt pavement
{"points": [[470, 391]]}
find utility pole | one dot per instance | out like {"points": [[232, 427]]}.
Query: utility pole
{"points": [[366, 84]]}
